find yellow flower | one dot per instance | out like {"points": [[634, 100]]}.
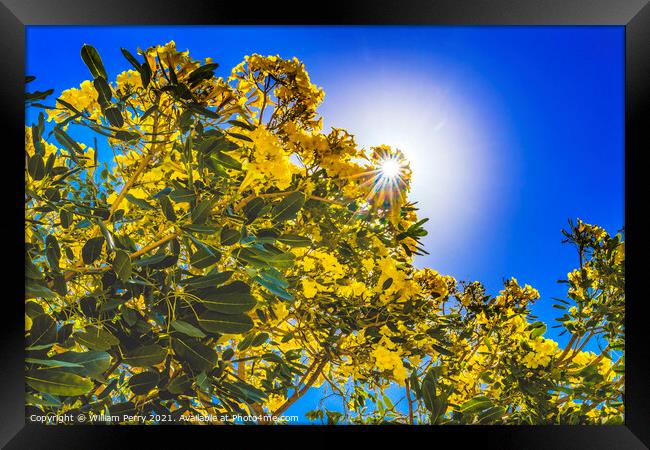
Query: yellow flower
{"points": [[543, 350], [270, 164], [368, 264], [386, 360], [308, 264], [619, 257], [274, 402], [310, 288], [129, 78]]}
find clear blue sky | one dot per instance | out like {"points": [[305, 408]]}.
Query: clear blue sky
{"points": [[510, 130]]}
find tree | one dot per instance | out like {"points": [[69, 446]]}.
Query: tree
{"points": [[233, 255]]}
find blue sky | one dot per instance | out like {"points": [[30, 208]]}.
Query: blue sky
{"points": [[510, 130]]}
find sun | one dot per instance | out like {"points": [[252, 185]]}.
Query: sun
{"points": [[390, 168]]}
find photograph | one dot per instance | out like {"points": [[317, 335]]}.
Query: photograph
{"points": [[324, 225]]}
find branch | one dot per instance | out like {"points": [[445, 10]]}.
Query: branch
{"points": [[74, 271], [138, 170], [410, 402], [153, 245], [243, 202], [326, 200], [567, 348], [300, 392], [577, 350]]}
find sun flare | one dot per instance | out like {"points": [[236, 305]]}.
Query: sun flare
{"points": [[390, 168]]}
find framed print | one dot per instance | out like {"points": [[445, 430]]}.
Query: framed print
{"points": [[383, 218]]}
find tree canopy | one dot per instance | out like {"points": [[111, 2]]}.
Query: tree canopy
{"points": [[232, 255]]}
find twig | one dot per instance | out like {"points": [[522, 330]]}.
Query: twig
{"points": [[301, 391], [410, 402]]}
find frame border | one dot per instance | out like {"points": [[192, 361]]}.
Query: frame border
{"points": [[634, 15]]}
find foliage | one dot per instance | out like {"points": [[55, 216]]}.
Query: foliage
{"points": [[233, 255]]}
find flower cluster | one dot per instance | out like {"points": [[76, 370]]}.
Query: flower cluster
{"points": [[540, 355]]}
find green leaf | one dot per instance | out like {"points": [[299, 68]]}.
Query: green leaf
{"points": [[538, 329], [204, 72], [232, 298], [246, 391], [49, 166], [47, 400], [92, 249], [229, 236], [491, 415], [33, 309], [93, 61], [66, 218], [281, 260], [130, 58], [167, 208], [240, 136], [66, 141], [428, 390], [52, 251], [150, 260], [92, 363], [205, 256], [68, 106], [114, 116], [43, 331], [201, 229], [288, 207], [227, 354], [179, 384], [254, 208], [36, 167], [139, 202], [274, 286], [145, 73], [51, 362], [260, 339], [126, 136], [476, 404], [143, 383], [294, 240], [213, 322], [122, 265], [194, 107], [186, 328], [105, 94], [442, 350], [36, 290], [96, 338], [227, 161], [145, 356], [110, 242], [31, 271], [182, 195], [38, 95], [199, 357], [58, 383], [245, 343], [252, 256], [202, 211], [203, 281], [241, 124]]}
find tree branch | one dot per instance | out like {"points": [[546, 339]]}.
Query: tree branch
{"points": [[73, 272], [243, 202], [299, 392], [138, 171], [410, 402]]}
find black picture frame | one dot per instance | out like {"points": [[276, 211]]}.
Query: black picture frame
{"points": [[634, 15]]}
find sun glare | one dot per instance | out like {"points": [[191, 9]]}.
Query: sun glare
{"points": [[390, 168]]}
